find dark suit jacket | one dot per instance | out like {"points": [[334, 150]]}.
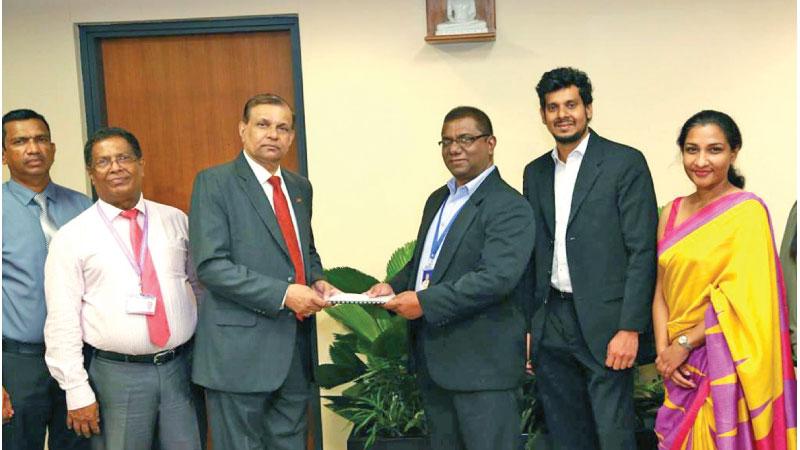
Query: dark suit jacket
{"points": [[471, 333], [611, 241], [244, 340]]}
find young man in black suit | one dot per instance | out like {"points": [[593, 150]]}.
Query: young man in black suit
{"points": [[591, 280]]}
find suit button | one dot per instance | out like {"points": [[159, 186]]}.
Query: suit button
{"points": [[572, 238], [290, 279]]}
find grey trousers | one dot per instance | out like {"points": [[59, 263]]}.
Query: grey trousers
{"points": [[39, 406], [263, 420], [139, 400], [586, 405]]}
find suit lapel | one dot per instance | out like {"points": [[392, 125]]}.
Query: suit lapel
{"points": [[546, 193], [461, 224], [255, 194], [590, 169]]}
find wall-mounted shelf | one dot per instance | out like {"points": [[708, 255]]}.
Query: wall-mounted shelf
{"points": [[437, 15]]}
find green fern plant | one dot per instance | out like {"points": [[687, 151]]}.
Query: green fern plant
{"points": [[383, 400]]}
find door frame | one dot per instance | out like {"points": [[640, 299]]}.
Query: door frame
{"points": [[90, 36]]}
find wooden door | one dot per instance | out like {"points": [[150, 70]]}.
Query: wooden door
{"points": [[182, 97]]}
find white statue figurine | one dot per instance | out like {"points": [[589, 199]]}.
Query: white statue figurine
{"points": [[461, 19], [460, 11]]}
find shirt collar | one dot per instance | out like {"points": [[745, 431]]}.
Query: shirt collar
{"points": [[261, 173], [112, 211], [473, 184], [26, 195], [580, 150]]}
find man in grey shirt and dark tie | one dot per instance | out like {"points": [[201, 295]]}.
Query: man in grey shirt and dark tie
{"points": [[33, 209]]}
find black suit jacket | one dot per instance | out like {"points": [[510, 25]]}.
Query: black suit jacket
{"points": [[611, 241], [244, 340], [471, 333]]}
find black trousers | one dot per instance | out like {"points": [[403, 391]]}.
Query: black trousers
{"points": [[469, 420], [586, 405], [39, 404]]}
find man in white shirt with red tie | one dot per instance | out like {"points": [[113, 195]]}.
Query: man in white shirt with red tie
{"points": [[118, 277]]}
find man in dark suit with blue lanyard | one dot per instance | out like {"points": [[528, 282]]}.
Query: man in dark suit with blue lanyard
{"points": [[466, 335]]}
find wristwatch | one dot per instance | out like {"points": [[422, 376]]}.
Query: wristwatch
{"points": [[683, 341]]}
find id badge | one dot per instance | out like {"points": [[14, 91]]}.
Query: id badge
{"points": [[426, 278], [141, 304]]}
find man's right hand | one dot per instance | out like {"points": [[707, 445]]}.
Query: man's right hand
{"points": [[380, 290], [84, 421], [8, 410], [303, 300]]}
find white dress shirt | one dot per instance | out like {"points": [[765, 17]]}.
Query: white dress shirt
{"points": [[566, 173], [457, 198], [89, 278], [263, 175]]}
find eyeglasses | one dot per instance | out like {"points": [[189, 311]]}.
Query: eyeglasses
{"points": [[121, 160], [464, 140]]}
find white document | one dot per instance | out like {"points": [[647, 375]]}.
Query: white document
{"points": [[358, 299]]}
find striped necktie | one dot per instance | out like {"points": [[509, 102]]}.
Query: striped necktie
{"points": [[49, 228]]}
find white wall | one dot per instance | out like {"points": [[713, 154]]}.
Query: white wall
{"points": [[375, 94]]}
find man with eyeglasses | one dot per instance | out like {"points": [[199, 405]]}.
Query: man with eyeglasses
{"points": [[118, 277], [33, 209], [467, 336]]}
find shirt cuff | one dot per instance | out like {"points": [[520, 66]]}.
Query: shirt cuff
{"points": [[80, 397], [283, 302]]}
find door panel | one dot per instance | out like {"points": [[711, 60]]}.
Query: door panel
{"points": [[182, 97]]}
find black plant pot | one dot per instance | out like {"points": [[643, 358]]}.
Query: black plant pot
{"points": [[400, 443]]}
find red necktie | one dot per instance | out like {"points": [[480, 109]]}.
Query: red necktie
{"points": [[287, 229], [157, 324]]}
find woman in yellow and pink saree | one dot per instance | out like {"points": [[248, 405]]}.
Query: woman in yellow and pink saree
{"points": [[719, 313]]}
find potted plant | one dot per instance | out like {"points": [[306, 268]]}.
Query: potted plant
{"points": [[383, 401]]}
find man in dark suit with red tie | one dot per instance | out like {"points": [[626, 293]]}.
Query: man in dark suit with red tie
{"points": [[251, 240]]}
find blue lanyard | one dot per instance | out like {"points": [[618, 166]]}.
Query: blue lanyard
{"points": [[439, 240]]}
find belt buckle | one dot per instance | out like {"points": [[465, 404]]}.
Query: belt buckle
{"points": [[163, 357]]}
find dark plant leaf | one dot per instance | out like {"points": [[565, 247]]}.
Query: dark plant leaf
{"points": [[332, 375], [343, 354], [347, 279], [393, 342]]}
